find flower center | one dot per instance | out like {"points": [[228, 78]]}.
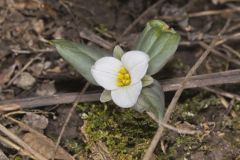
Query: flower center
{"points": [[123, 77]]}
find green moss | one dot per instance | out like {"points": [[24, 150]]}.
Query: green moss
{"points": [[125, 132], [233, 125], [178, 65], [181, 145], [73, 146], [18, 157], [189, 109]]}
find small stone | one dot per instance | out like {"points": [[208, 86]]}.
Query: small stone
{"points": [[25, 81]]}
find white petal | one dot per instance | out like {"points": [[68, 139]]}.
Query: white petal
{"points": [[136, 62], [126, 97], [105, 72]]}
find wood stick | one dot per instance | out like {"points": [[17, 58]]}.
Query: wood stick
{"points": [[21, 143], [203, 80]]}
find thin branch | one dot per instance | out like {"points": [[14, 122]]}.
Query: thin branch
{"points": [[178, 93], [222, 93], [235, 52], [218, 78], [170, 127], [219, 54]]}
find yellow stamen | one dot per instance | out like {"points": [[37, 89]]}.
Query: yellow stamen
{"points": [[126, 76], [123, 77], [128, 82], [120, 76], [119, 83], [123, 70]]}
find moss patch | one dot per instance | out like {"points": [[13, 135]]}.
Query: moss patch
{"points": [[125, 132]]}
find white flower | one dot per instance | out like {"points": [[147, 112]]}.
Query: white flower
{"points": [[122, 78]]}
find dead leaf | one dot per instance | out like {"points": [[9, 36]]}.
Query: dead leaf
{"points": [[9, 107], [45, 147], [36, 121]]}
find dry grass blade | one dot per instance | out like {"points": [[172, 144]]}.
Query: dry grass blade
{"points": [[236, 53]]}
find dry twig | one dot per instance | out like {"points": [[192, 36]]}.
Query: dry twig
{"points": [[236, 53], [219, 54], [222, 93], [170, 127]]}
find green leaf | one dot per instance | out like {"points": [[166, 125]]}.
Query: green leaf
{"points": [[152, 100], [160, 42], [147, 80], [105, 96], [80, 56], [118, 52]]}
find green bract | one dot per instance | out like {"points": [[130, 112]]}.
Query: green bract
{"points": [[159, 42], [118, 52], [152, 100], [105, 96], [80, 56]]}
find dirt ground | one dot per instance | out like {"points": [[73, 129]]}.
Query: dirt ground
{"points": [[30, 67]]}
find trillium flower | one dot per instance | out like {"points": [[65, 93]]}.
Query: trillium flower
{"points": [[122, 77]]}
